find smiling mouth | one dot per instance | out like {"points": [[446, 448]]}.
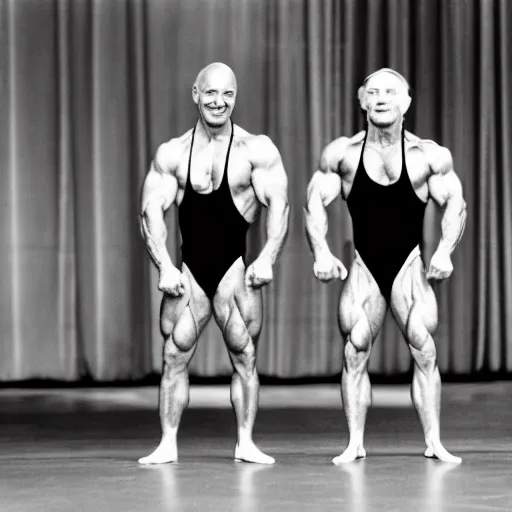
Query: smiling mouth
{"points": [[217, 111]]}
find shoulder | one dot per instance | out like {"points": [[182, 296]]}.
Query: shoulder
{"points": [[438, 157], [261, 149], [254, 142], [336, 150], [338, 146], [169, 153]]}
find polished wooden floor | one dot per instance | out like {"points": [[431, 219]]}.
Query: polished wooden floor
{"points": [[76, 450]]}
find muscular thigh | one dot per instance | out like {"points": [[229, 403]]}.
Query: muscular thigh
{"points": [[413, 302], [183, 318], [362, 307], [238, 308]]}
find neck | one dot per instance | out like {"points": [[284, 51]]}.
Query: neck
{"points": [[214, 132], [387, 136]]}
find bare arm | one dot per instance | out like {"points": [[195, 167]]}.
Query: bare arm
{"points": [[158, 194], [324, 187], [446, 189], [271, 187]]}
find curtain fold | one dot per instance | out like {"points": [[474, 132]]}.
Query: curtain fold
{"points": [[67, 306], [90, 88]]}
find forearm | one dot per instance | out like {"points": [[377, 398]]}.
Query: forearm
{"points": [[315, 216], [154, 232], [452, 224], [277, 228]]}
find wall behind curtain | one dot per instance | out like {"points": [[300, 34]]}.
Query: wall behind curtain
{"points": [[88, 91]]}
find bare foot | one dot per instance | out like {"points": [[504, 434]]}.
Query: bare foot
{"points": [[350, 454], [166, 452], [437, 451], [248, 452]]}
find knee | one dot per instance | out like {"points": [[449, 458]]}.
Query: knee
{"points": [[425, 357], [419, 330], [242, 353], [237, 334], [245, 365], [356, 353], [171, 355], [240, 346]]}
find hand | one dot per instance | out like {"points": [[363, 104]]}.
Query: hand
{"points": [[171, 282], [440, 265], [259, 273], [327, 267]]}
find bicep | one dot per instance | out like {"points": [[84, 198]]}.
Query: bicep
{"points": [[445, 187], [161, 186], [269, 179], [444, 184], [325, 186], [159, 189], [326, 181]]}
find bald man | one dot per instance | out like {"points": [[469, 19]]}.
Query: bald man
{"points": [[386, 175], [219, 176]]}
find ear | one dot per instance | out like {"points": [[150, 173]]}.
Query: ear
{"points": [[195, 94], [361, 96], [405, 103]]}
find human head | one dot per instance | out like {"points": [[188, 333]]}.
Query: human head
{"points": [[384, 96], [214, 93]]}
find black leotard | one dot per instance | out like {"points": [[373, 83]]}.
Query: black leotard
{"points": [[387, 222], [212, 229]]}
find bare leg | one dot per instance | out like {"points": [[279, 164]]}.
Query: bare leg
{"points": [[415, 308], [180, 332], [238, 311], [362, 310], [357, 397], [426, 395], [173, 399], [244, 397]]}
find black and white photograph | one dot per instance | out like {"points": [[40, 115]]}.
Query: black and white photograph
{"points": [[256, 255]]}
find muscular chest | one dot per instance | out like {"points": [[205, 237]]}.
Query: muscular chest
{"points": [[208, 162], [385, 166], [207, 165]]}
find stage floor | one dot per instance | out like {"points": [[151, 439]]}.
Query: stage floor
{"points": [[76, 450]]}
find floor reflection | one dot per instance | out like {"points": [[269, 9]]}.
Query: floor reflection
{"points": [[358, 488], [56, 450], [167, 482], [436, 487], [430, 487], [249, 486]]}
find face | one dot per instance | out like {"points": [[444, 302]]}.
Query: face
{"points": [[385, 99], [215, 96]]}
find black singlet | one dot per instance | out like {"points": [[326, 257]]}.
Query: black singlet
{"points": [[387, 222], [212, 229]]}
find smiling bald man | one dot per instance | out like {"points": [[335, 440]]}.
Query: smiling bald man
{"points": [[219, 176]]}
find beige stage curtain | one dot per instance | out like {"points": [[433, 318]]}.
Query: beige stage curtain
{"points": [[90, 88]]}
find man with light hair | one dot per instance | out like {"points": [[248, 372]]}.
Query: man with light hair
{"points": [[386, 175], [219, 176]]}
